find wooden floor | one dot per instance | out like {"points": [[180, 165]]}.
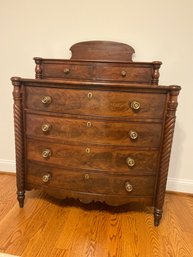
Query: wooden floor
{"points": [[53, 228]]}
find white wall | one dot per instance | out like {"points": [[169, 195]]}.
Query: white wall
{"points": [[158, 30]]}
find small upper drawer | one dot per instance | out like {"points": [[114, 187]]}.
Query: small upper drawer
{"points": [[96, 103], [67, 71], [133, 74]]}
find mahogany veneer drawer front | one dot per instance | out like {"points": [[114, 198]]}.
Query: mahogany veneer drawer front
{"points": [[88, 130], [96, 103], [93, 157], [69, 70], [91, 182], [96, 127], [122, 72]]}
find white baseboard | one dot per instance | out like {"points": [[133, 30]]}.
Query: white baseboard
{"points": [[7, 165], [173, 184], [180, 185]]}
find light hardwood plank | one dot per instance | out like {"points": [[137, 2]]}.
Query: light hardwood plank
{"points": [[55, 228], [7, 194]]}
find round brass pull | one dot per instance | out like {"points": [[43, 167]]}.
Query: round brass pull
{"points": [[133, 134], [130, 162], [128, 186], [123, 73], [46, 178], [46, 153], [86, 176], [88, 124], [135, 106], [46, 100], [66, 71], [89, 95], [46, 128]]}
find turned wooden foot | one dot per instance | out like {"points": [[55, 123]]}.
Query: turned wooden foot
{"points": [[157, 216], [20, 198]]}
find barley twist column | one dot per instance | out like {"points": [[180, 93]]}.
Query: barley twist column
{"points": [[166, 151], [18, 121]]}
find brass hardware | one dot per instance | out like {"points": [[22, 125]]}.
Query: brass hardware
{"points": [[123, 73], [46, 178], [133, 134], [46, 153], [128, 186], [46, 100], [86, 176], [46, 127], [135, 106], [66, 71], [89, 95], [87, 150], [130, 162], [88, 124]]}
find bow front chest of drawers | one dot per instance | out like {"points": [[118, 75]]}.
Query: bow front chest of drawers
{"points": [[96, 127]]}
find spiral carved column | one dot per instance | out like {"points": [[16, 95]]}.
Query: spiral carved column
{"points": [[166, 151], [19, 148]]}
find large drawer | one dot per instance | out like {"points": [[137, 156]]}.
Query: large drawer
{"points": [[89, 182], [93, 131], [96, 103], [115, 160]]}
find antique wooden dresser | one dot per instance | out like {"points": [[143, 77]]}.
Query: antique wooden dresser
{"points": [[96, 127]]}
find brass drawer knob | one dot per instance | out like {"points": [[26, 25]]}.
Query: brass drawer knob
{"points": [[46, 178], [89, 124], [133, 134], [130, 162], [66, 71], [123, 73], [46, 128], [89, 95], [46, 100], [86, 176], [128, 186], [46, 154], [135, 106]]}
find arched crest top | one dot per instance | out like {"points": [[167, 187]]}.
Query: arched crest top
{"points": [[102, 50]]}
